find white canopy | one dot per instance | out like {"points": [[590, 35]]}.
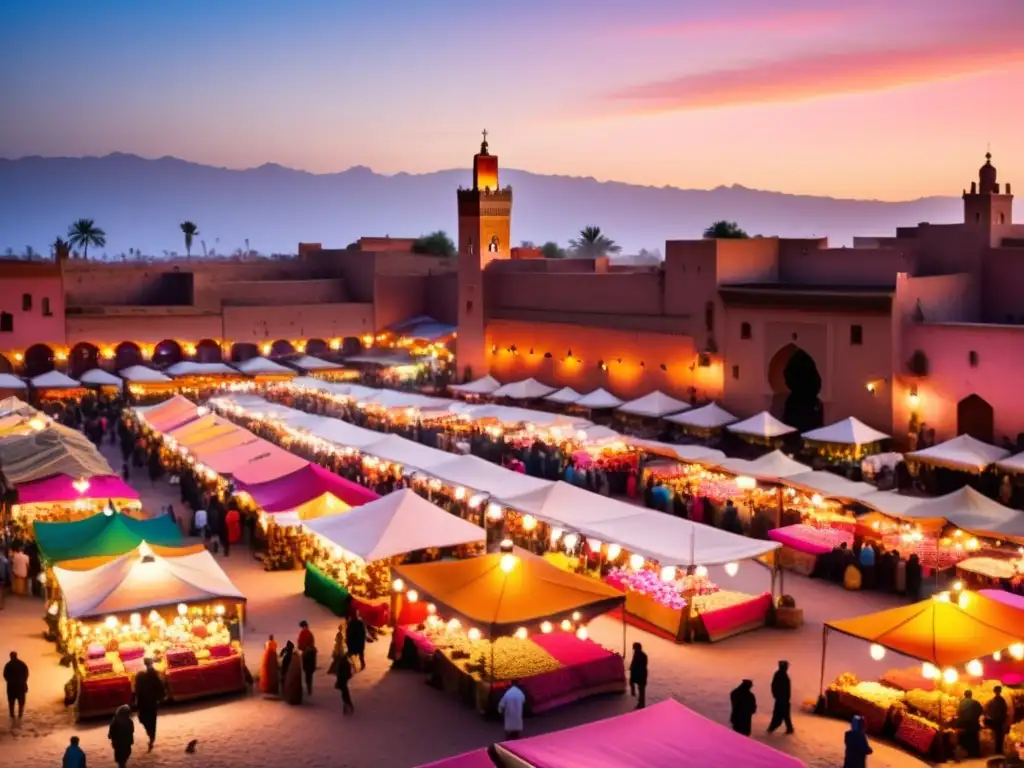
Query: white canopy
{"points": [[526, 389], [257, 366], [710, 416], [598, 399], [693, 453], [564, 504], [889, 502], [566, 396], [408, 453], [656, 404], [391, 398], [310, 363], [762, 425], [962, 452], [485, 477], [771, 467], [1014, 464], [972, 511], [16, 405], [597, 434], [849, 431], [343, 434], [7, 381], [54, 380], [101, 378], [508, 414], [141, 374], [484, 386], [190, 368], [135, 583], [830, 485], [393, 525]]}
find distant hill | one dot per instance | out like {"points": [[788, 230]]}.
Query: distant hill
{"points": [[140, 202]]}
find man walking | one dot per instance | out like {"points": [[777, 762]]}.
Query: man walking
{"points": [[16, 677], [149, 692], [781, 692], [638, 676]]}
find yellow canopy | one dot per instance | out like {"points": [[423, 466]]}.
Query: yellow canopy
{"points": [[944, 632], [88, 563], [481, 592], [203, 429]]}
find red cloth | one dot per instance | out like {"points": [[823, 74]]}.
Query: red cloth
{"points": [[724, 620], [631, 486], [103, 695], [305, 639], [233, 521], [374, 614], [412, 613], [219, 676], [697, 515]]}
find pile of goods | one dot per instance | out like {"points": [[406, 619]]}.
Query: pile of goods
{"points": [[514, 659], [667, 593], [369, 581], [716, 601]]}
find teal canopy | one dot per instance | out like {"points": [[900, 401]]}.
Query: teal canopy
{"points": [[103, 535]]}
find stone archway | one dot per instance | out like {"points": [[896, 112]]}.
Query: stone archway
{"points": [[5, 365], [84, 357], [167, 352], [975, 417], [281, 347], [796, 386], [127, 354], [242, 351], [38, 360], [208, 351], [317, 347]]}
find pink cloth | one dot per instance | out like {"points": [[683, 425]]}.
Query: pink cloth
{"points": [[810, 540], [1004, 597], [420, 640], [725, 619], [311, 481], [61, 488], [475, 759], [664, 735]]}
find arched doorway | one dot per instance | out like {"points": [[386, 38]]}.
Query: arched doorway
{"points": [[317, 347], [975, 417], [243, 351], [796, 385], [208, 351], [281, 347], [167, 352], [84, 357], [38, 360], [5, 365], [127, 354], [351, 345]]}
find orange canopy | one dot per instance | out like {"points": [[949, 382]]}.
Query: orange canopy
{"points": [[479, 591], [203, 429], [943, 632], [223, 442], [88, 563]]}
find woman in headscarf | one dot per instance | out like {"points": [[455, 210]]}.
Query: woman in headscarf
{"points": [[293, 679], [857, 747], [269, 670], [122, 735]]}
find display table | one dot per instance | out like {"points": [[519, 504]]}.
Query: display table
{"points": [[802, 545], [207, 678], [326, 591], [987, 569], [742, 616], [101, 696], [671, 621]]}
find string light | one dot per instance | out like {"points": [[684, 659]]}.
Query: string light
{"points": [[521, 633], [412, 595], [473, 633], [614, 550], [974, 668], [398, 585], [668, 573], [566, 625], [877, 652], [949, 676], [732, 568], [546, 627], [582, 634]]}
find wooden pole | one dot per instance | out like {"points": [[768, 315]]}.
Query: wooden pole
{"points": [[824, 647]]}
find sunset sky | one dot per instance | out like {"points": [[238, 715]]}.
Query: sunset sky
{"points": [[874, 98]]}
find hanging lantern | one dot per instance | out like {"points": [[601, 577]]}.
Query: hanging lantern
{"points": [[546, 627], [508, 563], [929, 671], [732, 568], [182, 609], [454, 625], [412, 595], [135, 620], [398, 585], [614, 550], [556, 534], [975, 668], [571, 540], [582, 634], [877, 652], [1017, 651], [529, 522], [594, 545], [460, 493], [668, 573], [473, 634], [431, 609], [111, 622], [576, 615], [521, 633], [701, 572], [493, 511], [997, 656], [636, 562], [949, 676]]}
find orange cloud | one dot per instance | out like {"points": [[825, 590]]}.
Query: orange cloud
{"points": [[787, 21], [813, 76]]}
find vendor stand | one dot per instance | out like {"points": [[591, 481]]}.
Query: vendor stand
{"points": [[146, 384], [478, 388], [510, 616], [845, 442], [705, 422], [57, 386], [527, 389], [265, 371], [44, 449], [62, 498], [952, 634], [182, 612], [102, 380], [11, 385]]}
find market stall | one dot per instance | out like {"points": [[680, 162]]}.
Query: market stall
{"points": [[46, 449], [97, 377], [951, 634], [845, 441], [509, 616], [313, 365], [61, 498], [972, 512], [482, 386], [168, 415], [107, 534], [598, 400], [527, 389], [182, 612], [10, 385], [564, 396], [703, 421], [56, 385], [355, 552], [655, 405], [963, 453], [1005, 571], [761, 428], [264, 370], [663, 735]]}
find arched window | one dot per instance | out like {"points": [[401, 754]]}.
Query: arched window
{"points": [[745, 331], [6, 322], [709, 317]]}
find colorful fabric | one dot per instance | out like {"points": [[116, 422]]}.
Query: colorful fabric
{"points": [[103, 535]]}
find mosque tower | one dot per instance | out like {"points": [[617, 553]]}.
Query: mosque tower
{"points": [[984, 205]]}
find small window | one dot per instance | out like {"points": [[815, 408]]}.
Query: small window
{"points": [[6, 322], [469, 307], [1002, 218], [972, 358], [26, 302], [856, 335], [745, 330], [736, 372], [46, 307], [709, 317]]}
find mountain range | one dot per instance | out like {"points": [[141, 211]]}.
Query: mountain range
{"points": [[140, 202]]}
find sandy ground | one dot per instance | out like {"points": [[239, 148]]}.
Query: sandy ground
{"points": [[399, 721]]}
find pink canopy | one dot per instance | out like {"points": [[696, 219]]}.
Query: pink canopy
{"points": [[665, 735], [1006, 598], [272, 464], [171, 414], [61, 488], [478, 758], [308, 483], [227, 460]]}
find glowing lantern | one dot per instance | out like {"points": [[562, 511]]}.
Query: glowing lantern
{"points": [[571, 540], [732, 568], [493, 511], [745, 483], [521, 633], [111, 622], [958, 586], [949, 676], [972, 545], [701, 572], [556, 534], [37, 424], [877, 652], [182, 609], [576, 615], [398, 585], [668, 573], [582, 634], [963, 600], [473, 634], [974, 668], [144, 550], [816, 499], [154, 617], [546, 627], [997, 656], [594, 545], [454, 624], [636, 562], [412, 595], [529, 522], [929, 671], [431, 609], [460, 493], [135, 620], [81, 485], [614, 550], [566, 625], [508, 563], [1017, 651]]}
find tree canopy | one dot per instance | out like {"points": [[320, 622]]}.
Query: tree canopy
{"points": [[552, 250], [434, 244], [83, 233], [593, 243], [190, 230], [725, 230]]}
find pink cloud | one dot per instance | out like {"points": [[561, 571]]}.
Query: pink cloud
{"points": [[785, 21], [827, 74]]}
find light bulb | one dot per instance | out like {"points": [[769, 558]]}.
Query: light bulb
{"points": [[949, 676], [556, 534], [614, 550], [111, 622], [412, 595], [1017, 651], [957, 586], [571, 539], [454, 624], [636, 562], [398, 585], [546, 627], [473, 634], [182, 609], [594, 545], [929, 671], [997, 656], [460, 493], [154, 617], [963, 600], [521, 633], [668, 573], [974, 668], [576, 615], [135, 620], [732, 568], [529, 522], [493, 511], [508, 562], [701, 572], [877, 652], [566, 625], [582, 634]]}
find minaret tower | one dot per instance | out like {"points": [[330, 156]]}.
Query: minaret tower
{"points": [[485, 231], [984, 205]]}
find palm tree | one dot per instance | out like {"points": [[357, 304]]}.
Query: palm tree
{"points": [[61, 248], [190, 230], [593, 244], [84, 233], [725, 230]]}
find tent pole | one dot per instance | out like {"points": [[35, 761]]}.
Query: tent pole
{"points": [[824, 647]]}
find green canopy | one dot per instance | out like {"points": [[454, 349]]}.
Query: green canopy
{"points": [[103, 535]]}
